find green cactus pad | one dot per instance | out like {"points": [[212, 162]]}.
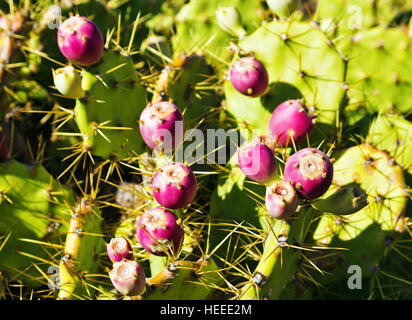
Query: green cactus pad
{"points": [[300, 63], [365, 232], [197, 26], [279, 261], [33, 207], [379, 67], [393, 134], [190, 87], [117, 106], [84, 243], [190, 283]]}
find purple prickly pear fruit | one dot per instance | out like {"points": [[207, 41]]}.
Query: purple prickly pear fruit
{"points": [[174, 186], [257, 162], [310, 171], [158, 232], [128, 277], [281, 200], [118, 249], [249, 76], [80, 40], [291, 120], [161, 125]]}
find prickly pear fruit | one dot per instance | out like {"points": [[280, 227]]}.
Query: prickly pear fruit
{"points": [[128, 277], [80, 40], [68, 82], [283, 8], [342, 200], [158, 232], [174, 185], [310, 171], [229, 20], [161, 125], [257, 162], [249, 76], [291, 120], [118, 249], [281, 200]]}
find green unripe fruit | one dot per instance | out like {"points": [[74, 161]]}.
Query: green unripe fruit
{"points": [[229, 20], [68, 82], [343, 200], [283, 8]]}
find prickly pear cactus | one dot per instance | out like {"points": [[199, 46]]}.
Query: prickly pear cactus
{"points": [[89, 211]]}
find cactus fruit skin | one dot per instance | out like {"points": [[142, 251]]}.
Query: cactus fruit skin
{"points": [[174, 186], [249, 76], [68, 82], [161, 125], [80, 40], [281, 200], [257, 162], [310, 171], [158, 231], [291, 120], [128, 277], [118, 249]]}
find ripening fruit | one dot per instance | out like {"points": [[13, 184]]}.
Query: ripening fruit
{"points": [[249, 76], [158, 232], [68, 82], [161, 125], [281, 200], [174, 185], [291, 120], [80, 40], [256, 160], [118, 249], [310, 171], [128, 277]]}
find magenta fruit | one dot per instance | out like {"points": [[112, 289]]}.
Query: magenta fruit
{"points": [[80, 40], [249, 76], [158, 232], [161, 125], [174, 186], [118, 249], [128, 277], [281, 200], [257, 162], [291, 120], [310, 171]]}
